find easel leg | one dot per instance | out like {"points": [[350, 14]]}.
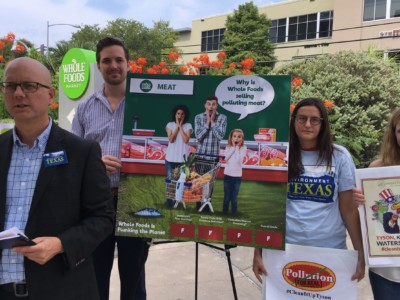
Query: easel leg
{"points": [[228, 257], [196, 271]]}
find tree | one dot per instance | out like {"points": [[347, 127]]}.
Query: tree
{"points": [[143, 41], [364, 89], [246, 36], [87, 37]]}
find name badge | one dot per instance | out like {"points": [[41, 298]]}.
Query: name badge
{"points": [[55, 158]]}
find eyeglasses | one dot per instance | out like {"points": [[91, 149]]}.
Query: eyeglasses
{"points": [[26, 86], [303, 119]]}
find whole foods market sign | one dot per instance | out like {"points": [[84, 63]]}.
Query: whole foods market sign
{"points": [[75, 72]]}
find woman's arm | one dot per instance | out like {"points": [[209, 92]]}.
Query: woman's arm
{"points": [[172, 133], [258, 265], [351, 220]]}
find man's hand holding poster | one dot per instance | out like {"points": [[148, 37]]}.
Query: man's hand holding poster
{"points": [[379, 215]]}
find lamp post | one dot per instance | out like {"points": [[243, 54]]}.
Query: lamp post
{"points": [[58, 24]]}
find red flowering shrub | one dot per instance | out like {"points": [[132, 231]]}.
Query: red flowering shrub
{"points": [[203, 62]]}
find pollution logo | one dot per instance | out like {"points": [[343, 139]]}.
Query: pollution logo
{"points": [[309, 276]]}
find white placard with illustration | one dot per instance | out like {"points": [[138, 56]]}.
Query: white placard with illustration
{"points": [[379, 216]]}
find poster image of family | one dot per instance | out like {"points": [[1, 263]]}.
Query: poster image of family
{"points": [[379, 216], [204, 158]]}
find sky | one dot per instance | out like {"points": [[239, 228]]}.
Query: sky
{"points": [[28, 18]]}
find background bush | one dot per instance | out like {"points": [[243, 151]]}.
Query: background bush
{"points": [[364, 89]]}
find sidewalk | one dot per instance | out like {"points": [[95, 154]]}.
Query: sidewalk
{"points": [[170, 274]]}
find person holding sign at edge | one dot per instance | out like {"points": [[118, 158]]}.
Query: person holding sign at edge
{"points": [[385, 281], [101, 118], [319, 214], [54, 188]]}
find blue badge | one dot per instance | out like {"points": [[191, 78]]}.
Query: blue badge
{"points": [[55, 158]]}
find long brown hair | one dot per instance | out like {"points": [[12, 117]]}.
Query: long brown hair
{"points": [[390, 150], [324, 139]]}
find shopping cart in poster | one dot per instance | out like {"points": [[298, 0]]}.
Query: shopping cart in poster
{"points": [[198, 186]]}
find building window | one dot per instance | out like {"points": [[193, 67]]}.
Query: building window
{"points": [[381, 9], [305, 27], [211, 40], [277, 31], [325, 24]]}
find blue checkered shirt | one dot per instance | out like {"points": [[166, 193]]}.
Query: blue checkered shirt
{"points": [[208, 138], [21, 181], [95, 120]]}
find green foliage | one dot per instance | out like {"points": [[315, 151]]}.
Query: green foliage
{"points": [[86, 37], [151, 43], [246, 36], [364, 89]]}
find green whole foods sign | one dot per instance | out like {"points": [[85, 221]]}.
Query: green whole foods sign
{"points": [[75, 72]]}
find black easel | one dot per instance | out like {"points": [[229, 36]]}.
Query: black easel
{"points": [[226, 249]]}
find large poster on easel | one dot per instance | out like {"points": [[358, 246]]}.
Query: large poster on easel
{"points": [[188, 204], [379, 216]]}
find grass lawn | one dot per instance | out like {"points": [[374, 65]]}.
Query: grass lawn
{"points": [[261, 205]]}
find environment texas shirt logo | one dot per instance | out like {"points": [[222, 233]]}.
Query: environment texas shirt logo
{"points": [[316, 189], [309, 276]]}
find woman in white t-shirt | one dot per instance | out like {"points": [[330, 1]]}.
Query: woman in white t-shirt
{"points": [[319, 205], [178, 131]]}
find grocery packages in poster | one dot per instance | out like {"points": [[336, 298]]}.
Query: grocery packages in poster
{"points": [[379, 216], [153, 205], [302, 272]]}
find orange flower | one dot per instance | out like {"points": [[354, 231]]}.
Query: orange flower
{"points": [[162, 64], [292, 107], [183, 69], [204, 59], [164, 71], [246, 72], [9, 37], [19, 48], [232, 65], [151, 71], [1, 58], [296, 81], [133, 67], [328, 104], [221, 55], [191, 72], [217, 64], [1, 45], [247, 63], [141, 61], [54, 106], [173, 56]]}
